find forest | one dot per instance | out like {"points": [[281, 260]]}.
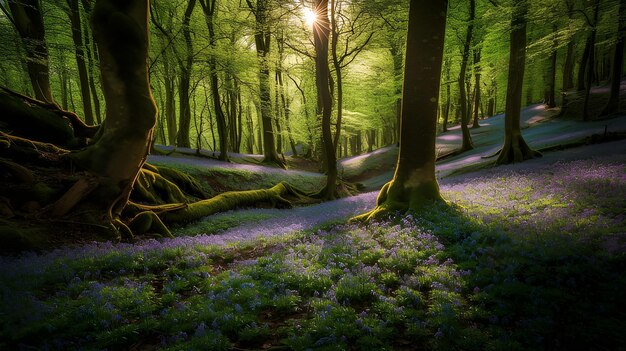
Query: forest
{"points": [[312, 175]]}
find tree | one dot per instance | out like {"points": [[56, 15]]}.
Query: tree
{"points": [[351, 30], [209, 7], [515, 148], [29, 24], [612, 105], [465, 111], [414, 183], [591, 58], [262, 40], [77, 37], [321, 33]]}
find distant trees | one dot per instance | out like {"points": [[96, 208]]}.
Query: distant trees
{"points": [[255, 66], [27, 18], [612, 105]]}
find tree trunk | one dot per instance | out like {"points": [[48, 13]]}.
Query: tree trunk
{"points": [[209, 7], [446, 110], [396, 54], [414, 184], [467, 138], [282, 91], [338, 73], [121, 31], [185, 66], [551, 96], [321, 33], [582, 68], [476, 87], [515, 148], [591, 61], [77, 37], [612, 105], [91, 75], [568, 68], [262, 39], [29, 24]]}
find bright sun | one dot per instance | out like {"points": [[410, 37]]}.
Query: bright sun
{"points": [[309, 16]]}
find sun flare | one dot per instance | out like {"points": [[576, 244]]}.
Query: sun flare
{"points": [[309, 16]]}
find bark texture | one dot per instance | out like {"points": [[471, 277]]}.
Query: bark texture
{"points": [[414, 184], [515, 148]]}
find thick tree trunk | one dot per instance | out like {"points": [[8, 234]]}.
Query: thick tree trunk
{"points": [[321, 33], [515, 148], [77, 37], [414, 184], [612, 105], [465, 111], [121, 31], [29, 24]]}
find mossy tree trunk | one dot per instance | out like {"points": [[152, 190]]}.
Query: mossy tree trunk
{"points": [[321, 33], [414, 184], [515, 148], [29, 23], [121, 31]]}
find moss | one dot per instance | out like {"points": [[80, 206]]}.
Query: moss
{"points": [[153, 188], [149, 222], [275, 196], [184, 181], [397, 198]]}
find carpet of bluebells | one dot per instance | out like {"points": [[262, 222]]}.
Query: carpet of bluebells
{"points": [[518, 261]]}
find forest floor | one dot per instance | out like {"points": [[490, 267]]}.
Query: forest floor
{"points": [[529, 256]]}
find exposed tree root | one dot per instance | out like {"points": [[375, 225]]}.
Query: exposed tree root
{"points": [[42, 121], [152, 188], [77, 192], [20, 173], [516, 150], [342, 189], [281, 195]]}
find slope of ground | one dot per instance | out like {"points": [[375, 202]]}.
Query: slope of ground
{"points": [[541, 129]]}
